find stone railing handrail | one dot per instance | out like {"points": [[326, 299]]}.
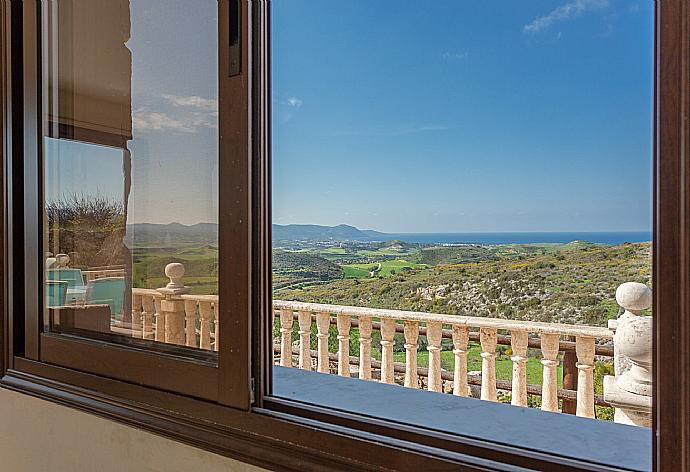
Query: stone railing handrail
{"points": [[145, 291], [93, 274], [536, 327]]}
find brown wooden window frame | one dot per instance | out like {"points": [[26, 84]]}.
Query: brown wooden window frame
{"points": [[219, 383], [233, 413]]}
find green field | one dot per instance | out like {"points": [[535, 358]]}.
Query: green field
{"points": [[388, 267], [504, 366], [198, 285], [201, 267]]}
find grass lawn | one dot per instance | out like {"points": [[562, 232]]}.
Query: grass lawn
{"points": [[388, 267], [352, 272], [333, 250], [504, 366]]}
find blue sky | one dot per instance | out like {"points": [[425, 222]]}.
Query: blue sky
{"points": [[400, 116], [463, 116], [175, 121]]}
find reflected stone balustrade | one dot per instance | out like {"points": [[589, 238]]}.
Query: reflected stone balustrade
{"points": [[172, 315]]}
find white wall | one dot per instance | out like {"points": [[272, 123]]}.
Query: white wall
{"points": [[39, 436]]}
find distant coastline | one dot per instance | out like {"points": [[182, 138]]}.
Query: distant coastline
{"points": [[610, 238], [208, 232]]}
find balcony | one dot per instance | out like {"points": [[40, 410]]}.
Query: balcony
{"points": [[567, 354]]}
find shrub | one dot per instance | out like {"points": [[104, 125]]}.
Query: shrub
{"points": [[91, 229]]}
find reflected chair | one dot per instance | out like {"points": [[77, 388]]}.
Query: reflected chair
{"points": [[107, 291], [73, 277], [56, 292]]}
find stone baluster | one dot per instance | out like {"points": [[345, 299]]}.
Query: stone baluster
{"points": [[411, 337], [323, 321], [433, 336], [549, 388], [460, 338], [160, 320], [584, 348], [487, 338], [216, 326], [173, 310], [387, 343], [61, 261], [518, 344], [304, 320], [148, 307], [136, 315], [172, 305], [190, 322], [630, 391], [286, 338], [365, 347], [205, 325], [343, 323]]}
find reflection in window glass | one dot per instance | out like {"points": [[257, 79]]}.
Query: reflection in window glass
{"points": [[462, 201], [130, 171]]}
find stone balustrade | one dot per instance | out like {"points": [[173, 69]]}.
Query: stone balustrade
{"points": [[188, 320], [172, 315], [431, 325]]}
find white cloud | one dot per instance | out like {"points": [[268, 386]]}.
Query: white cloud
{"points": [[144, 120], [294, 102], [448, 55], [187, 115], [286, 109], [193, 101], [565, 12]]}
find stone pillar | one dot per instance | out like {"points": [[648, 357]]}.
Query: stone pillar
{"points": [[549, 384], [487, 339], [460, 338], [286, 338], [518, 343], [216, 326], [136, 315], [411, 337], [630, 391], [434, 334], [584, 348], [343, 323], [159, 335], [365, 347], [148, 309], [190, 323], [323, 321], [387, 342], [172, 304], [205, 311], [304, 320]]}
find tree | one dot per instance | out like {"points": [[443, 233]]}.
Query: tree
{"points": [[91, 229]]}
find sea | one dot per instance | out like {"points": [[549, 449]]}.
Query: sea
{"points": [[612, 238]]}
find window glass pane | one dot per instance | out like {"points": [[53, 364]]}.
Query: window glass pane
{"points": [[459, 191], [130, 173]]}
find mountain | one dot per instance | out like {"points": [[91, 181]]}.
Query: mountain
{"points": [[171, 233], [207, 233], [322, 233], [376, 235]]}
